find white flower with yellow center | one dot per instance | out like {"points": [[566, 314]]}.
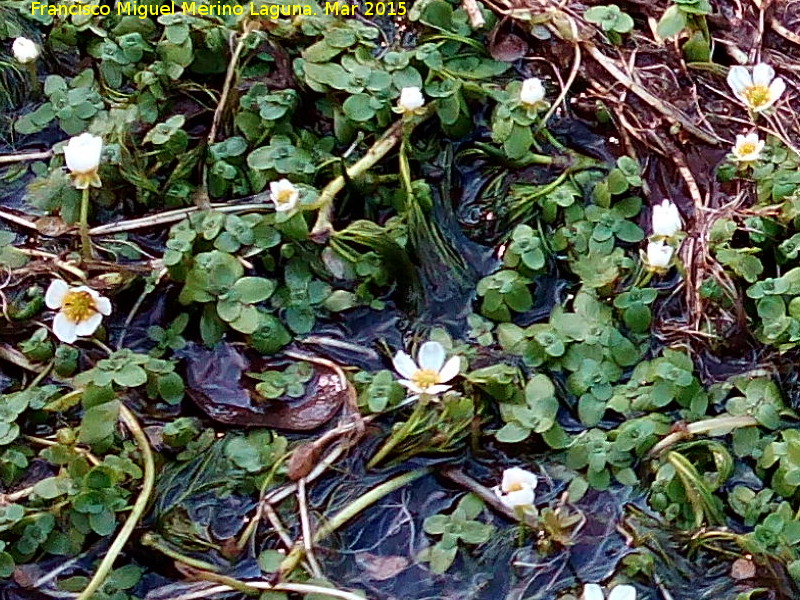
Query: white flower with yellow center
{"points": [[517, 488], [82, 155], [532, 92], [666, 219], [411, 101], [429, 374], [757, 91], [25, 50], [284, 194], [592, 591], [747, 148], [80, 310], [659, 256]]}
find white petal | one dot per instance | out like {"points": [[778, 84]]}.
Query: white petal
{"points": [[517, 476], [776, 89], [103, 305], [763, 74], [523, 497], [659, 254], [25, 50], [286, 206], [666, 219], [750, 138], [592, 591], [411, 386], [431, 356], [404, 365], [411, 98], [739, 79], [82, 153], [450, 369], [284, 194], [88, 326], [623, 592], [532, 91], [55, 293], [64, 328], [433, 390]]}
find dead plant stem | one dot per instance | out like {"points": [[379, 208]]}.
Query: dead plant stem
{"points": [[226, 86], [672, 114], [699, 427], [323, 226], [305, 524], [130, 421], [350, 511], [474, 13], [24, 156]]}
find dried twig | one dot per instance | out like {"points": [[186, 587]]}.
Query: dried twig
{"points": [[22, 222], [23, 156], [474, 13], [305, 524], [171, 216], [672, 114], [277, 524], [299, 588], [782, 31]]}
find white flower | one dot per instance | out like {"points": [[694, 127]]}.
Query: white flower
{"points": [[759, 90], [532, 91], [82, 155], [747, 148], [659, 256], [25, 50], [516, 488], [411, 100], [284, 195], [80, 310], [592, 591], [431, 373], [666, 219]]}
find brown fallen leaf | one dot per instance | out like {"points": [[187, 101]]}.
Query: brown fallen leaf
{"points": [[506, 46], [743, 568], [381, 568], [303, 459], [216, 384], [52, 226]]}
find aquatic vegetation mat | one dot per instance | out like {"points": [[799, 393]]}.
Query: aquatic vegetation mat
{"points": [[399, 300]]}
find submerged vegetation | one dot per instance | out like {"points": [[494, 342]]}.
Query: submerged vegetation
{"points": [[410, 299]]}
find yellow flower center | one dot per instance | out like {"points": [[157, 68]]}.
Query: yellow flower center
{"points": [[515, 487], [78, 306], [747, 148], [284, 196], [425, 378], [757, 95]]}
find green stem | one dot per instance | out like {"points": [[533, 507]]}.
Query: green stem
{"points": [[348, 512], [42, 374], [86, 242], [154, 541], [405, 169], [723, 422], [397, 436], [129, 419], [33, 75], [519, 210], [644, 276], [323, 226], [551, 138], [531, 158]]}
